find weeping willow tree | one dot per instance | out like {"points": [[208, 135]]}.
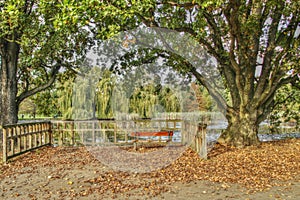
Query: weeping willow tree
{"points": [[76, 95], [169, 100], [150, 98], [143, 101], [100, 94], [104, 93], [65, 94]]}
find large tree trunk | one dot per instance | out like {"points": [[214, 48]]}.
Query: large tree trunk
{"points": [[9, 59], [242, 129]]}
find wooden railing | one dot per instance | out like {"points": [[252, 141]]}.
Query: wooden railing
{"points": [[99, 132], [114, 132], [21, 138]]}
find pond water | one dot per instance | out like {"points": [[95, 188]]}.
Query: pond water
{"points": [[212, 137], [215, 129]]}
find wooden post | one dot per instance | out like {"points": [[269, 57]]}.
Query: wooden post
{"points": [[78, 128], [12, 140], [115, 133], [125, 128], [196, 140], [18, 135], [202, 140], [42, 129], [72, 133], [183, 132], [35, 135], [4, 145], [25, 130], [31, 135], [45, 131], [64, 134], [39, 127], [135, 146], [50, 133], [204, 143], [103, 133], [60, 133], [29, 129], [93, 132]]}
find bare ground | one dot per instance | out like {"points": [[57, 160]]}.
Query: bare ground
{"points": [[271, 171]]}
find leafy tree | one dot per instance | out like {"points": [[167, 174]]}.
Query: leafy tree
{"points": [[168, 100], [150, 98], [256, 45], [37, 40], [65, 94], [46, 102], [27, 107], [204, 100], [104, 93], [286, 108]]}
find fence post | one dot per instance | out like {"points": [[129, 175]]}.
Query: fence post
{"points": [[201, 133], [12, 140], [93, 132], [72, 133], [23, 130], [29, 136], [4, 145], [60, 127], [125, 132], [34, 132], [49, 128], [115, 133], [183, 132], [18, 135], [39, 130]]}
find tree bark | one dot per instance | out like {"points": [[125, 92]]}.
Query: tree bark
{"points": [[242, 129], [9, 61]]}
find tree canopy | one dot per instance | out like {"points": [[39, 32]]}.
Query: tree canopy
{"points": [[38, 40], [256, 44]]}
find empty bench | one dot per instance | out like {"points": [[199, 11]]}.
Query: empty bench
{"points": [[168, 134]]}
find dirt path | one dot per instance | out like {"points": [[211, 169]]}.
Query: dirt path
{"points": [[271, 171]]}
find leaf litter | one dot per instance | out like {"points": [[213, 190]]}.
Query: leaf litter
{"points": [[80, 174]]}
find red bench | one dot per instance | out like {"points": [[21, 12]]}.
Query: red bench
{"points": [[156, 133], [149, 133]]}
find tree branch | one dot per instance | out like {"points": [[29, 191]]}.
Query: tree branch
{"points": [[28, 93], [270, 91], [271, 39]]}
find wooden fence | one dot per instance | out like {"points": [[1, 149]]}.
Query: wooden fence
{"points": [[118, 132], [99, 132], [21, 138]]}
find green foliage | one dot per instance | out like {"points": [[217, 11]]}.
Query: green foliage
{"points": [[65, 94], [50, 39], [104, 92], [46, 102], [83, 98], [27, 107], [147, 100], [287, 107]]}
